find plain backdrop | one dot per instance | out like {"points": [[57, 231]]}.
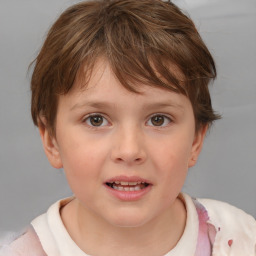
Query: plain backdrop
{"points": [[227, 166]]}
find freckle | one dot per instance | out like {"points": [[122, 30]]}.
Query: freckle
{"points": [[230, 242], [218, 228]]}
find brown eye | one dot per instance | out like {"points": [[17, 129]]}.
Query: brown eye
{"points": [[159, 120], [96, 121]]}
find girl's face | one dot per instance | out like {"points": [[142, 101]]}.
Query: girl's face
{"points": [[125, 155]]}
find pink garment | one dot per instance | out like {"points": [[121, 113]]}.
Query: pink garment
{"points": [[27, 244], [206, 233]]}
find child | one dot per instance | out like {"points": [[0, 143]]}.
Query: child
{"points": [[120, 96]]}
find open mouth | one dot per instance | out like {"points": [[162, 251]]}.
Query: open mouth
{"points": [[127, 185]]}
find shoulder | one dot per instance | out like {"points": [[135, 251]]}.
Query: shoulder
{"points": [[222, 211], [235, 229], [24, 244]]}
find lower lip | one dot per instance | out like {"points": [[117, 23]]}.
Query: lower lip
{"points": [[129, 195]]}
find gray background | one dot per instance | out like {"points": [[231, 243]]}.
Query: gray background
{"points": [[226, 168]]}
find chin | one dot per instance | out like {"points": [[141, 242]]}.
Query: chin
{"points": [[128, 219]]}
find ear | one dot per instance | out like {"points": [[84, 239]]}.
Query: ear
{"points": [[50, 145], [197, 145]]}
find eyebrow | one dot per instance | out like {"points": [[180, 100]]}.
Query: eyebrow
{"points": [[163, 105], [109, 105], [93, 104]]}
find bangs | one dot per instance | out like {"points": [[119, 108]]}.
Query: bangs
{"points": [[141, 49], [146, 42]]}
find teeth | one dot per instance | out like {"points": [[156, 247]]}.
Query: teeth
{"points": [[131, 183], [127, 188], [128, 185], [121, 188]]}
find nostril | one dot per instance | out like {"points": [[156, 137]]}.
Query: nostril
{"points": [[128, 156], [136, 160]]}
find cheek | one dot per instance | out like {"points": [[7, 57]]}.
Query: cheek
{"points": [[82, 170], [173, 154], [82, 159], [171, 163]]}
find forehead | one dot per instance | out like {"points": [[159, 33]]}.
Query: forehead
{"points": [[101, 75], [104, 89]]}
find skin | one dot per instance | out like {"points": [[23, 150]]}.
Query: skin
{"points": [[126, 143]]}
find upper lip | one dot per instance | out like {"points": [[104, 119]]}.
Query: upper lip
{"points": [[127, 179]]}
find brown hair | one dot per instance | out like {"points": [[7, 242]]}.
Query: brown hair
{"points": [[141, 41]]}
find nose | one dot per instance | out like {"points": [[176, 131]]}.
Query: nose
{"points": [[128, 147]]}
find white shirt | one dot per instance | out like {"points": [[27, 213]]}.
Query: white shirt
{"points": [[234, 233], [56, 241]]}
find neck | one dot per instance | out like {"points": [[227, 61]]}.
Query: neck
{"points": [[156, 237]]}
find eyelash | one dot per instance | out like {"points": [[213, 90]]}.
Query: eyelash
{"points": [[88, 119]]}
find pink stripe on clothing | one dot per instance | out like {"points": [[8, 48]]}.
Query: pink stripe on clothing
{"points": [[204, 241]]}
